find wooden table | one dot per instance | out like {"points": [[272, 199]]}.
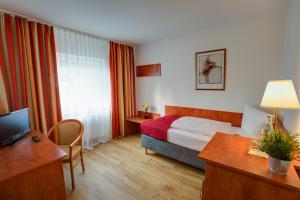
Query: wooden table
{"points": [[232, 173], [132, 125], [30, 170]]}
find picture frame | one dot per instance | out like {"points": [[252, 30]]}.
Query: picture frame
{"points": [[210, 69], [148, 70]]}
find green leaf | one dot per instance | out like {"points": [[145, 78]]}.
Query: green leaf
{"points": [[279, 144]]}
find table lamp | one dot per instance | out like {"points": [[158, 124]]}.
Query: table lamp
{"points": [[280, 94]]}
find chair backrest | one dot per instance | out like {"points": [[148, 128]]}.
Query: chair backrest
{"points": [[68, 130]]}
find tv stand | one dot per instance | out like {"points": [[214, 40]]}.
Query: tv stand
{"points": [[30, 170]]}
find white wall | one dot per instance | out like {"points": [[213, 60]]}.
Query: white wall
{"points": [[291, 59], [254, 52]]}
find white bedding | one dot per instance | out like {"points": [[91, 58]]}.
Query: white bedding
{"points": [[200, 125], [187, 139], [196, 137], [238, 130]]}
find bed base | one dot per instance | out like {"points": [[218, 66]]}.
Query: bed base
{"points": [[171, 150]]}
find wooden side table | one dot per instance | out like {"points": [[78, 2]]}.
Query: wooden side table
{"points": [[232, 173], [132, 125]]}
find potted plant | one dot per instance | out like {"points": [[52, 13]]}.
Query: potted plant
{"points": [[281, 148], [146, 107]]}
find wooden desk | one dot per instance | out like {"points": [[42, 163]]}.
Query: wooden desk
{"points": [[132, 125], [30, 170], [232, 173]]}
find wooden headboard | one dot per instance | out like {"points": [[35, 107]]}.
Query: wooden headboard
{"points": [[233, 117]]}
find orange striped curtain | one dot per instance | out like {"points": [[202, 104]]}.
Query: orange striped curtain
{"points": [[122, 77], [28, 70]]}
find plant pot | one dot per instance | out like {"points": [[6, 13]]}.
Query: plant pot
{"points": [[146, 116], [278, 166]]}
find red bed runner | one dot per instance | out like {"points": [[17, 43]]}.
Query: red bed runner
{"points": [[158, 128]]}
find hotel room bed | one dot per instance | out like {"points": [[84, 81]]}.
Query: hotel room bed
{"points": [[181, 145], [168, 136]]}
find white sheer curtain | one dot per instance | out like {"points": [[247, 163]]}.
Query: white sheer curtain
{"points": [[84, 81]]}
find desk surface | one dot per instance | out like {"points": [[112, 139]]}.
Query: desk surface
{"points": [[231, 151], [27, 155], [138, 119]]}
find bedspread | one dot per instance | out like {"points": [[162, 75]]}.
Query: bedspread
{"points": [[158, 128]]}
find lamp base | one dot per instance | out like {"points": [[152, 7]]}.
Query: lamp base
{"points": [[276, 117]]}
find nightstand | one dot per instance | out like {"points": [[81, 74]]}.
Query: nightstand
{"points": [[132, 125], [234, 174]]}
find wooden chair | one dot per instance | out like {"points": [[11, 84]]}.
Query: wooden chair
{"points": [[68, 135]]}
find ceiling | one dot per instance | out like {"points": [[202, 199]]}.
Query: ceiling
{"points": [[141, 21]]}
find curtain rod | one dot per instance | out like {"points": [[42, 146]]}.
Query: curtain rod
{"points": [[49, 24]]}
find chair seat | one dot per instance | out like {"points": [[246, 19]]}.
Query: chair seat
{"points": [[75, 150]]}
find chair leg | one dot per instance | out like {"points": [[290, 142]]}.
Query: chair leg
{"points": [[72, 175], [146, 151], [81, 159]]}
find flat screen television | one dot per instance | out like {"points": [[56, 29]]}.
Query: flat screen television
{"points": [[14, 126]]}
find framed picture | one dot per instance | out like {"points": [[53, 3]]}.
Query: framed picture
{"points": [[211, 70]]}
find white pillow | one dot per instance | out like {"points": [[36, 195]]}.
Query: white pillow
{"points": [[253, 121]]}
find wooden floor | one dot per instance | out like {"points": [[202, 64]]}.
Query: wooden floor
{"points": [[120, 170]]}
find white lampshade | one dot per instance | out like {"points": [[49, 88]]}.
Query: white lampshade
{"points": [[280, 94]]}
